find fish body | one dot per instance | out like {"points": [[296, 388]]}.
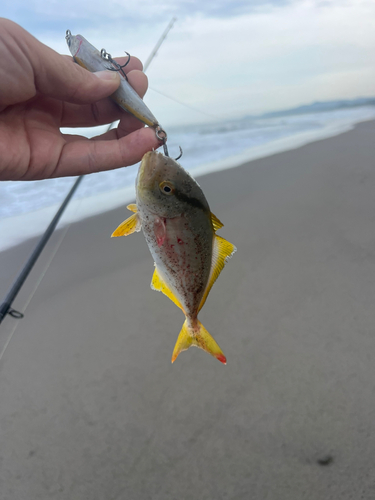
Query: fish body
{"points": [[87, 56], [180, 231]]}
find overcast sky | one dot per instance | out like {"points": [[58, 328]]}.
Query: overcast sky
{"points": [[227, 58]]}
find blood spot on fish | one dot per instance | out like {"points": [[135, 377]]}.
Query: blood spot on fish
{"points": [[179, 241], [160, 231]]}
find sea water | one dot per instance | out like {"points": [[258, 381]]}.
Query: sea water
{"points": [[26, 207]]}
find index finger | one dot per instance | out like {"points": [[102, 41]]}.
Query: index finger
{"points": [[100, 112]]}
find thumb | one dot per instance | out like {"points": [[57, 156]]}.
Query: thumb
{"points": [[62, 79]]}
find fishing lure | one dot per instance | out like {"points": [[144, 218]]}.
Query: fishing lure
{"points": [[90, 58]]}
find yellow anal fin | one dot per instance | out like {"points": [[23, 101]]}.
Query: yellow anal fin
{"points": [[216, 223], [129, 226], [132, 207], [159, 285], [222, 251], [198, 337]]}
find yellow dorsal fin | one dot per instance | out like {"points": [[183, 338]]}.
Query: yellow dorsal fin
{"points": [[159, 285], [222, 251], [132, 207], [216, 223], [129, 226]]}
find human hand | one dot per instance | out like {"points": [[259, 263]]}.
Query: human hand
{"points": [[41, 91]]}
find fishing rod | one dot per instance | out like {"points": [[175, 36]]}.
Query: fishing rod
{"points": [[159, 42], [6, 305]]}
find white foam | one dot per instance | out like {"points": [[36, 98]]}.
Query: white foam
{"points": [[18, 228], [15, 230], [274, 147]]}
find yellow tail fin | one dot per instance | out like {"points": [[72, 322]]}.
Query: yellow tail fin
{"points": [[200, 338]]}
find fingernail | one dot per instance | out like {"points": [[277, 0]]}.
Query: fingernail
{"points": [[106, 75]]}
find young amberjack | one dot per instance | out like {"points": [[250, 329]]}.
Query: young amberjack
{"points": [[180, 231]]}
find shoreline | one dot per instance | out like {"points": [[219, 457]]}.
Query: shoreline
{"points": [[91, 405], [34, 223]]}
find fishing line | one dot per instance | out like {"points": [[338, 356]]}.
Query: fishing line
{"points": [[184, 104]]}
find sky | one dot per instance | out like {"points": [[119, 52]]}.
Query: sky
{"points": [[227, 58]]}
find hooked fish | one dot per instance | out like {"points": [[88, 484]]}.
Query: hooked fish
{"points": [[180, 231]]}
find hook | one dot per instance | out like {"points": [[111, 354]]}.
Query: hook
{"points": [[181, 153], [105, 55], [161, 134], [165, 150]]}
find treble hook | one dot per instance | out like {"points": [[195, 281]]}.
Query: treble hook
{"points": [[162, 136], [104, 54]]}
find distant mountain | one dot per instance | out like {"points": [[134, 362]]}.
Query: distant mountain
{"points": [[318, 107]]}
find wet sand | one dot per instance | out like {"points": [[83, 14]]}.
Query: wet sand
{"points": [[91, 407]]}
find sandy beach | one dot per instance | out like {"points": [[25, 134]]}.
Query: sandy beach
{"points": [[91, 406]]}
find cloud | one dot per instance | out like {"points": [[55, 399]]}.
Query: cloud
{"points": [[140, 11], [274, 58], [226, 57]]}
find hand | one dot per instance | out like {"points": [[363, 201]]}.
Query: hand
{"points": [[41, 91]]}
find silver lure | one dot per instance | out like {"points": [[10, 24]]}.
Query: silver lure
{"points": [[87, 56]]}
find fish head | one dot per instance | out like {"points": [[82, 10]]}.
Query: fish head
{"points": [[165, 189]]}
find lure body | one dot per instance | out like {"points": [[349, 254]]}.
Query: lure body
{"points": [[87, 56], [180, 231]]}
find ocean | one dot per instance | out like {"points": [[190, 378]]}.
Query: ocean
{"points": [[26, 207]]}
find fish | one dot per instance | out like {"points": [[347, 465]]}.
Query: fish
{"points": [[180, 231], [88, 57]]}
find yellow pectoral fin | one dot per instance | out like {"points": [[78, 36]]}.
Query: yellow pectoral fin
{"points": [[159, 285], [132, 207], [222, 251], [129, 226], [216, 223], [199, 338]]}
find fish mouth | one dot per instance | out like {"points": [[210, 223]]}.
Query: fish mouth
{"points": [[147, 169]]}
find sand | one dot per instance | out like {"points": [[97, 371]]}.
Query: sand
{"points": [[91, 407]]}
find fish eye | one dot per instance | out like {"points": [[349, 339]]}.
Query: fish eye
{"points": [[166, 187]]}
